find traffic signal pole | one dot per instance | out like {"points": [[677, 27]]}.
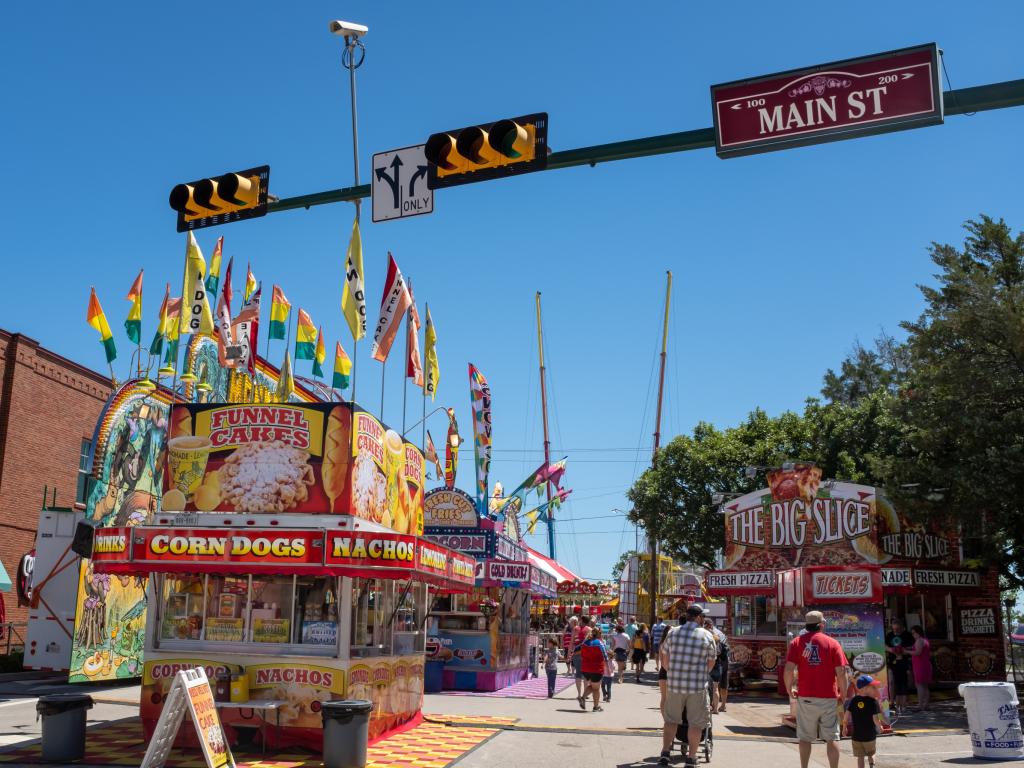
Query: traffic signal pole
{"points": [[961, 101]]}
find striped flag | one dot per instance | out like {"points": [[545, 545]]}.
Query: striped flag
{"points": [[321, 354], [133, 325], [95, 317], [173, 330], [305, 337], [342, 368], [157, 345], [279, 309], [213, 279], [225, 338], [250, 283]]}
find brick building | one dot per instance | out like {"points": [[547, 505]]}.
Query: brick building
{"points": [[49, 406]]}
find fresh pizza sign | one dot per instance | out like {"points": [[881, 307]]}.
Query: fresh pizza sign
{"points": [[827, 102]]}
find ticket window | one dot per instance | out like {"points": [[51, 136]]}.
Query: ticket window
{"points": [[373, 602], [410, 610], [756, 616]]}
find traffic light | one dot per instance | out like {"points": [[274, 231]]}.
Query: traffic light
{"points": [[489, 151], [221, 199]]}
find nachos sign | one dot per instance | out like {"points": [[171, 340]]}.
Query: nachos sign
{"points": [[827, 102]]}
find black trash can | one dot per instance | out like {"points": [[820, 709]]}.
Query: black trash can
{"points": [[63, 725], [346, 731]]}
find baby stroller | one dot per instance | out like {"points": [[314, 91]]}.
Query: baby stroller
{"points": [[707, 738]]}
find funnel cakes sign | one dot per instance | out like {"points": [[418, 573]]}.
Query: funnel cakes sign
{"points": [[800, 521]]}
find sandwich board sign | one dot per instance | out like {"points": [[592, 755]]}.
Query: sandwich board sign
{"points": [[190, 692]]}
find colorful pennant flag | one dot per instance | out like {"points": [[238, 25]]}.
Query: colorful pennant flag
{"points": [[285, 381], [157, 345], [250, 283], [480, 400], [394, 303], [451, 450], [279, 309], [196, 316], [95, 317], [342, 368], [213, 279], [430, 453], [532, 517], [553, 473], [225, 339], [173, 330], [305, 337], [433, 376], [353, 296], [133, 325], [321, 354]]}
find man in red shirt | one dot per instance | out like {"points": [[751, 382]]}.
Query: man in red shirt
{"points": [[819, 664]]}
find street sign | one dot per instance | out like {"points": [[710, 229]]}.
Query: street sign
{"points": [[399, 184], [843, 100]]}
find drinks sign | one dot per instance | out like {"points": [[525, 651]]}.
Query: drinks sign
{"points": [[827, 102]]}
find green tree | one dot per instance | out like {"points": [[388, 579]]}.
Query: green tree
{"points": [[961, 407], [620, 564]]}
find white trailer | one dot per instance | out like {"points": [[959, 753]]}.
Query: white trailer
{"points": [[51, 616]]}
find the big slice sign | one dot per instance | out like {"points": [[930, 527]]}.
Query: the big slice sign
{"points": [[827, 102]]}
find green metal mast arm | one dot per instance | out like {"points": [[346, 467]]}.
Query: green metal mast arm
{"points": [[958, 102]]}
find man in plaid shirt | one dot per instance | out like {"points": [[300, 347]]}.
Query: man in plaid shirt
{"points": [[688, 653]]}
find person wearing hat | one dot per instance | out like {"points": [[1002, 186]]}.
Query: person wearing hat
{"points": [[864, 719], [688, 653], [819, 664]]}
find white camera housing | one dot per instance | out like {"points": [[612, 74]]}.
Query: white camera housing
{"points": [[347, 28]]}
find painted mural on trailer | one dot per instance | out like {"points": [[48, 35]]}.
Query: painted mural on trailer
{"points": [[110, 620], [129, 446]]}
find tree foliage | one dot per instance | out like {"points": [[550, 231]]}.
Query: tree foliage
{"points": [[620, 564], [962, 404], [938, 420]]}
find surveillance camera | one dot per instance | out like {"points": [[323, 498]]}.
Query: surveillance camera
{"points": [[347, 28]]}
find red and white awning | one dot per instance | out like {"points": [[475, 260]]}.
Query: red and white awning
{"points": [[546, 564]]}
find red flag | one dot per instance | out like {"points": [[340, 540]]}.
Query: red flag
{"points": [[393, 305]]}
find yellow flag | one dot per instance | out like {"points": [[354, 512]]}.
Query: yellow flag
{"points": [[285, 381], [353, 296], [430, 357], [196, 316]]}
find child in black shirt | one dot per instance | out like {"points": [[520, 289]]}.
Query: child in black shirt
{"points": [[863, 719]]}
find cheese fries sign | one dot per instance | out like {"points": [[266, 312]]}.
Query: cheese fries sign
{"points": [[292, 457], [801, 521]]}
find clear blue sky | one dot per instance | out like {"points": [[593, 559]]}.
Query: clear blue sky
{"points": [[781, 261]]}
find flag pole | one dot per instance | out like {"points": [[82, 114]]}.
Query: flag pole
{"points": [[405, 375], [383, 366], [423, 389], [139, 343]]}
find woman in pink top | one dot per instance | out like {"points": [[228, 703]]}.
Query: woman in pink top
{"points": [[921, 659]]}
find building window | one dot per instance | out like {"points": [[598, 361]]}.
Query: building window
{"points": [[84, 473]]}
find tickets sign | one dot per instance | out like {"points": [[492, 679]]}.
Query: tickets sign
{"points": [[827, 102], [210, 546]]}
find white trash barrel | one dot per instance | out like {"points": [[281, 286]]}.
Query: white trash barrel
{"points": [[993, 720]]}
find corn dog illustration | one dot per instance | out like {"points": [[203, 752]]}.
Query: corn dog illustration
{"points": [[337, 453]]}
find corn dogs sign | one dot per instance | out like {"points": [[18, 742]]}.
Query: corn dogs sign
{"points": [[212, 546]]}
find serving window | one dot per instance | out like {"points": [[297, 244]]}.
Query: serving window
{"points": [[756, 617], [373, 602], [278, 613]]}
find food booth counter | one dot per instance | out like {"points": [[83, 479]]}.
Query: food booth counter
{"points": [[800, 522], [296, 609], [483, 637]]}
